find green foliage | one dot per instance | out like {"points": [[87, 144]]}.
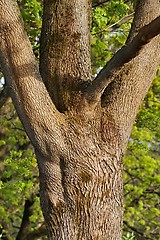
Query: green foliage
{"points": [[32, 16], [111, 25], [142, 164], [19, 174], [129, 236]]}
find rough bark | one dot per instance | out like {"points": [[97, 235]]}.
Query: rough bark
{"points": [[130, 83], [92, 188], [22, 75], [65, 49], [79, 151]]}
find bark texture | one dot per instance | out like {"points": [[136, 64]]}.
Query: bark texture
{"points": [[79, 127], [65, 49]]}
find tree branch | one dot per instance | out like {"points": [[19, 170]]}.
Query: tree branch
{"points": [[124, 55], [97, 4], [117, 24], [65, 60], [141, 234], [41, 231], [25, 224], [21, 72], [4, 95]]}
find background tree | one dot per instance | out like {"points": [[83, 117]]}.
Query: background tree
{"points": [[85, 181]]}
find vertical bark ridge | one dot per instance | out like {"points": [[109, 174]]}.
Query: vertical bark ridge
{"points": [[65, 49]]}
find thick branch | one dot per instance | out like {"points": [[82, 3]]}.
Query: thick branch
{"points": [[124, 55], [30, 97], [65, 49]]}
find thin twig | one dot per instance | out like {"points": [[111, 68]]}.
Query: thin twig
{"points": [[99, 3], [117, 24]]}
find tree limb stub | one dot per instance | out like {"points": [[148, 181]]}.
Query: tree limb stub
{"points": [[124, 55]]}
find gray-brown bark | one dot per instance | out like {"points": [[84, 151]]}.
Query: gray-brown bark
{"points": [[65, 49], [79, 151], [22, 74], [91, 207], [124, 55], [130, 83]]}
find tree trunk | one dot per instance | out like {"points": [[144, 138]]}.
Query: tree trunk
{"points": [[91, 177], [78, 127]]}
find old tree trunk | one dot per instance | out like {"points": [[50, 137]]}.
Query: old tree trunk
{"points": [[79, 126]]}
